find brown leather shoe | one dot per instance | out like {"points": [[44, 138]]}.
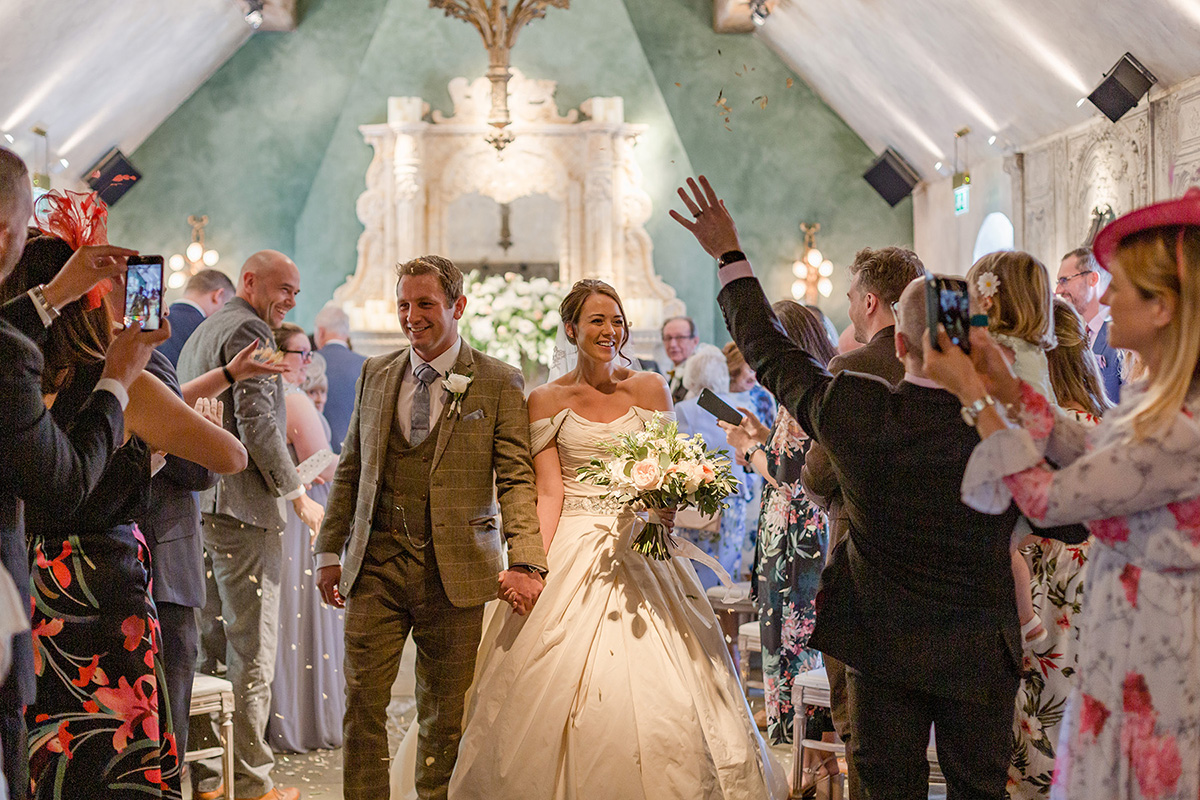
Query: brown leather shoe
{"points": [[276, 793], [215, 794]]}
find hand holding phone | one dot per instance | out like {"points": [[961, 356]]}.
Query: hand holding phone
{"points": [[718, 408], [948, 303], [144, 292]]}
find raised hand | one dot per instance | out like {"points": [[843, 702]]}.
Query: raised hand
{"points": [[87, 266], [244, 365], [211, 410], [710, 224], [130, 350]]}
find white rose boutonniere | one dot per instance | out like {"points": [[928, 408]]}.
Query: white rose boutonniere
{"points": [[456, 384]]}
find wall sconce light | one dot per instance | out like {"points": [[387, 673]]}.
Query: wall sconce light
{"points": [[195, 258], [812, 270]]}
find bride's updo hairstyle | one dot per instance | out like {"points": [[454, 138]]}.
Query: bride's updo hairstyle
{"points": [[1021, 301], [572, 307]]}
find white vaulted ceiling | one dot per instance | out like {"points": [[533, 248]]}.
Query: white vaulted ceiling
{"points": [[909, 73], [100, 74]]}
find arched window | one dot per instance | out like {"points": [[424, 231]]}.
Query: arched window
{"points": [[996, 233]]}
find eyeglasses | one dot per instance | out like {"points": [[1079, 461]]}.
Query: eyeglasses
{"points": [[1065, 280], [670, 339], [305, 355]]}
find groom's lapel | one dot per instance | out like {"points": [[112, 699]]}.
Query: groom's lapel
{"points": [[464, 365], [392, 374]]}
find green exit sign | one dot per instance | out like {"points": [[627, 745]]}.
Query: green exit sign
{"points": [[962, 199]]}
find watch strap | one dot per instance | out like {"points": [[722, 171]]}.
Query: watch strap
{"points": [[730, 257]]}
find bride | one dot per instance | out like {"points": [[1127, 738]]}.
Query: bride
{"points": [[618, 684]]}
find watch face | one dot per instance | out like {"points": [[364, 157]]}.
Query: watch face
{"points": [[968, 415]]}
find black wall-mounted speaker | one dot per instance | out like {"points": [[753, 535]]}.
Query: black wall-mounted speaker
{"points": [[112, 176], [892, 177], [1123, 86]]}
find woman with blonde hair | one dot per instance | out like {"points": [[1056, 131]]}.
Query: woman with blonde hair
{"points": [[1075, 376], [1132, 727]]}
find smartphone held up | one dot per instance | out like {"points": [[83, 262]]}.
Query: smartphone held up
{"points": [[144, 292], [948, 303]]}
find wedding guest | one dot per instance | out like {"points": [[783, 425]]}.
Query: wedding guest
{"points": [[848, 340], [98, 723], [741, 379], [1131, 718], [707, 369], [793, 539], [204, 293], [308, 693], [918, 600], [44, 463], [877, 278], [679, 339], [242, 522], [316, 385], [343, 365], [1081, 282], [1058, 572]]}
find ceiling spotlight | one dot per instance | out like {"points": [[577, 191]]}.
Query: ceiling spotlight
{"points": [[938, 166], [759, 11], [64, 163], [992, 139], [1123, 86], [8, 137], [1080, 102], [254, 13]]}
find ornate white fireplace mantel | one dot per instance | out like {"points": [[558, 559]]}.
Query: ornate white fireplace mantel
{"points": [[583, 160]]}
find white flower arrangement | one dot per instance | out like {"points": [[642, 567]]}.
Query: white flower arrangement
{"points": [[988, 284], [512, 318]]}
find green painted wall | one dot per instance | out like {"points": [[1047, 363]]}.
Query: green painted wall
{"points": [[269, 147]]}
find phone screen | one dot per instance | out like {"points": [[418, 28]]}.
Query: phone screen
{"points": [[719, 408], [143, 292], [948, 303]]}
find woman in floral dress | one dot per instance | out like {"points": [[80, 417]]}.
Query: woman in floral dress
{"points": [[1132, 721]]}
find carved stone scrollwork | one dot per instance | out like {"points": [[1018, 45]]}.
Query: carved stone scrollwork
{"points": [[423, 162]]}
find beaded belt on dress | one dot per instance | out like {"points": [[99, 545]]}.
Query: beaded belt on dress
{"points": [[592, 505]]}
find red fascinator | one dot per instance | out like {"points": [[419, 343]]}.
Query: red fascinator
{"points": [[1183, 211], [79, 219]]}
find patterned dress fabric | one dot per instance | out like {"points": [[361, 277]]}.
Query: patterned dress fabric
{"points": [[618, 683], [1131, 726], [101, 724], [793, 537], [751, 492]]}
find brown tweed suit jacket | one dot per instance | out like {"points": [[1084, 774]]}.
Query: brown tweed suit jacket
{"points": [[485, 444]]}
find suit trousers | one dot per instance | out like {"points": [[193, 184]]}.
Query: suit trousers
{"points": [[14, 741], [389, 599], [890, 733], [247, 563], [179, 646]]}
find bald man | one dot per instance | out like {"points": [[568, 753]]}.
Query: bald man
{"points": [[917, 601], [243, 523]]}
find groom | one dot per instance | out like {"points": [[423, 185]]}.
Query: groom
{"points": [[435, 425]]}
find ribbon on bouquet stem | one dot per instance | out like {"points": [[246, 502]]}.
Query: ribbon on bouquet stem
{"points": [[678, 546]]}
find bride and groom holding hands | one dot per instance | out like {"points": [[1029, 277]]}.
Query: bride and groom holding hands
{"points": [[609, 676]]}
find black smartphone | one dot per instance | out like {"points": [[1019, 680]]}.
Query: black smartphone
{"points": [[144, 292], [948, 303], [719, 408]]}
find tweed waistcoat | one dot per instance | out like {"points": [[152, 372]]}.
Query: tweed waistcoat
{"points": [[402, 519]]}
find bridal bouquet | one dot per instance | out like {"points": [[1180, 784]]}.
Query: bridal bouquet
{"points": [[659, 467]]}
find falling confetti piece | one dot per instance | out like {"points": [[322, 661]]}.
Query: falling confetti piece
{"points": [[790, 82], [718, 52], [677, 83], [429, 761], [761, 100]]}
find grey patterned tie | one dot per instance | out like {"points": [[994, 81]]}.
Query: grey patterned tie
{"points": [[420, 405]]}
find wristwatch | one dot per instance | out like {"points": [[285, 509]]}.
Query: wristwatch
{"points": [[970, 414], [752, 449], [730, 257]]}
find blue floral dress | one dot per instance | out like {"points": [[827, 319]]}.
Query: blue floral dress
{"points": [[793, 536], [750, 492]]}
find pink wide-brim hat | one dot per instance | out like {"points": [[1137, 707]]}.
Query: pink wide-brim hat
{"points": [[1170, 213]]}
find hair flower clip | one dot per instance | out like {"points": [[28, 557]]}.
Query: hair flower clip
{"points": [[988, 284]]}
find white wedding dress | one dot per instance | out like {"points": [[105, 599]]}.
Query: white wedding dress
{"points": [[619, 683]]}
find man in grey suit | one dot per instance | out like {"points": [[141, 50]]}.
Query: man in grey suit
{"points": [[242, 515], [331, 335], [877, 278], [440, 431]]}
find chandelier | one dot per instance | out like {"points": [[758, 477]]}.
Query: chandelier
{"points": [[812, 270], [195, 258], [498, 25]]}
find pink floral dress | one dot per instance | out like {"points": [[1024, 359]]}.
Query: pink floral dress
{"points": [[1132, 722]]}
